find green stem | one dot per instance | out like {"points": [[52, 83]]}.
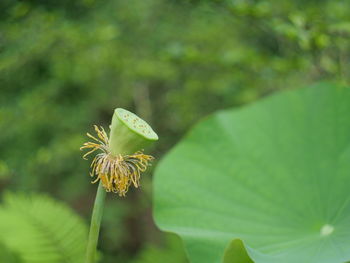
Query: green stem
{"points": [[95, 224]]}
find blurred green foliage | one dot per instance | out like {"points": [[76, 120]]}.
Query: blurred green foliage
{"points": [[39, 229], [6, 255], [65, 65]]}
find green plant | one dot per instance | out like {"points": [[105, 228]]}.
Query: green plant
{"points": [[275, 175], [35, 228], [116, 166], [65, 64]]}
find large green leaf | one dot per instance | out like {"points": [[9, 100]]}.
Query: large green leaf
{"points": [[39, 229], [275, 174]]}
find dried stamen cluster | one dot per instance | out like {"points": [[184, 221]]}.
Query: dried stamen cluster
{"points": [[118, 172]]}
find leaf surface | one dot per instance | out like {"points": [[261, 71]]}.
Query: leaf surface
{"points": [[274, 174]]}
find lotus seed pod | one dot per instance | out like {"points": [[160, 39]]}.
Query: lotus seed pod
{"points": [[129, 133]]}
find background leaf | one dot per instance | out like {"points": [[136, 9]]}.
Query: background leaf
{"points": [[41, 230], [274, 174], [8, 256], [171, 252]]}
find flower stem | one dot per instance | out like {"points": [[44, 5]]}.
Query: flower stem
{"points": [[95, 224]]}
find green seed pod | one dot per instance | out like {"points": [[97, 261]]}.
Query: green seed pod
{"points": [[129, 133]]}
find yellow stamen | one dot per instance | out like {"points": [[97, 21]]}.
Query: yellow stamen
{"points": [[116, 173]]}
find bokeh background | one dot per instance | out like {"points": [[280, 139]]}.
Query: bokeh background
{"points": [[65, 65]]}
